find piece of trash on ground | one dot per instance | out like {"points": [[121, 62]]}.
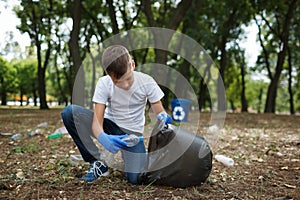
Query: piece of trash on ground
{"points": [[6, 134], [75, 159], [62, 130], [225, 160], [213, 129], [34, 132], [16, 136], [55, 135], [43, 124]]}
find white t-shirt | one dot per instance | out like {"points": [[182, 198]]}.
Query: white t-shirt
{"points": [[127, 107]]}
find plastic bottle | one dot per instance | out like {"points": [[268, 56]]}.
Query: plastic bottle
{"points": [[34, 132], [43, 124], [225, 160], [213, 129], [132, 140], [16, 136], [54, 135], [75, 159]]}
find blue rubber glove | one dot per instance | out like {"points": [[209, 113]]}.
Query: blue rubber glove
{"points": [[165, 117], [112, 143]]}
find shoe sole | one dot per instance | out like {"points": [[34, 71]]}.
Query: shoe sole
{"points": [[105, 174]]}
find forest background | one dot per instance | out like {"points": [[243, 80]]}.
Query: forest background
{"points": [[65, 35]]}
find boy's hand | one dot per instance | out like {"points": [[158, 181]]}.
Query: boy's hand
{"points": [[112, 143], [165, 117]]}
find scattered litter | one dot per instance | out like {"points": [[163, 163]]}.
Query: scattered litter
{"points": [[34, 132], [75, 159], [213, 129], [54, 135], [62, 130], [16, 136], [42, 124], [224, 160], [6, 134]]}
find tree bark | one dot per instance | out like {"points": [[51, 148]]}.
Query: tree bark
{"points": [[113, 18], [41, 67], [272, 89], [78, 94], [292, 109], [243, 95], [3, 92]]}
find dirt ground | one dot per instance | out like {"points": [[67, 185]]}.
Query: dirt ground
{"points": [[264, 147]]}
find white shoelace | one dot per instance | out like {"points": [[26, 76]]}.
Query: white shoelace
{"points": [[96, 169]]}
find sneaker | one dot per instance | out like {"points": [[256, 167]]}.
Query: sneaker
{"points": [[97, 169]]}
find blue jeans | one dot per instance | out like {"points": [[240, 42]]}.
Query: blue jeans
{"points": [[78, 122]]}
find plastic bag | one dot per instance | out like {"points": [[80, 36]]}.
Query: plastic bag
{"points": [[176, 157]]}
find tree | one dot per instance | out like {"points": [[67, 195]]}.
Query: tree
{"points": [[169, 16], [36, 20], [26, 79], [7, 80], [276, 18]]}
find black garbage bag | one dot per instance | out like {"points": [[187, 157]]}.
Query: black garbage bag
{"points": [[176, 157]]}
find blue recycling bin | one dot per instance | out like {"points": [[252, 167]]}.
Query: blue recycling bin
{"points": [[180, 109]]}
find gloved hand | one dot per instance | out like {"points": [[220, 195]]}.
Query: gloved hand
{"points": [[165, 117], [112, 143]]}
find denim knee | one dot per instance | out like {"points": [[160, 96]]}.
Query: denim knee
{"points": [[67, 112]]}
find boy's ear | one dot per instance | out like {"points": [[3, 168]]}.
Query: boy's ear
{"points": [[132, 64]]}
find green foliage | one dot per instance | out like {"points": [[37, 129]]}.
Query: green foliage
{"points": [[7, 78], [216, 25], [26, 73]]}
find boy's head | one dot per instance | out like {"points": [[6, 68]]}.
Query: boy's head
{"points": [[116, 61]]}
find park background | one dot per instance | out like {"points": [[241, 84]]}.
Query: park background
{"points": [[37, 80], [64, 35]]}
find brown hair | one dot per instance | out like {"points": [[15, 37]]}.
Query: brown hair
{"points": [[115, 60]]}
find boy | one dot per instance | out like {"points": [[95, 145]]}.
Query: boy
{"points": [[120, 99]]}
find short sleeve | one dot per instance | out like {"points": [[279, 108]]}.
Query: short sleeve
{"points": [[154, 92], [101, 94]]}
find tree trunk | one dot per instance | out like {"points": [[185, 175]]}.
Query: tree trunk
{"points": [[272, 89], [243, 95], [93, 79], [41, 69], [203, 86], [113, 18], [61, 91], [181, 89], [78, 94], [42, 88], [221, 81], [161, 58], [3, 92], [260, 94], [223, 62], [292, 109]]}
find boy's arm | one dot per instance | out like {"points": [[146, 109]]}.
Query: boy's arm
{"points": [[97, 125], [157, 107], [112, 143], [160, 112]]}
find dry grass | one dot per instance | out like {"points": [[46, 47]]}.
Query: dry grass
{"points": [[265, 148]]}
